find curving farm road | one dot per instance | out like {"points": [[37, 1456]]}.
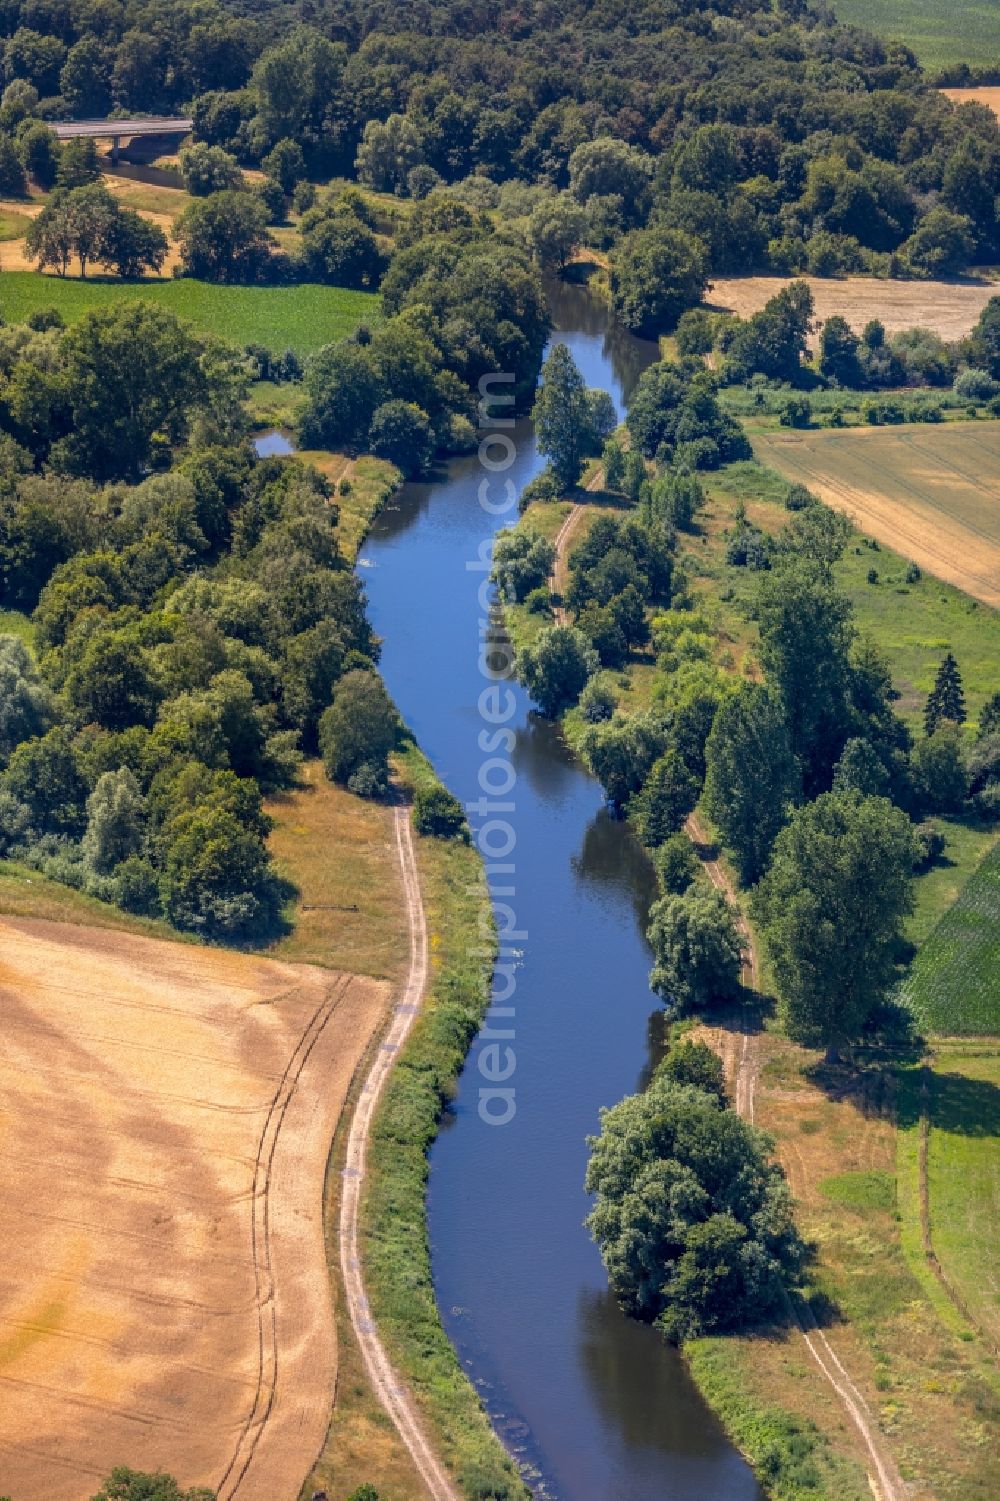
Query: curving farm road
{"points": [[386, 1384], [886, 1479]]}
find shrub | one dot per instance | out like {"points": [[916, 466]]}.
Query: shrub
{"points": [[676, 864], [796, 412], [136, 887], [798, 498], [697, 1064], [539, 491], [597, 702], [436, 811], [975, 385], [929, 845], [879, 412], [371, 779], [522, 562]]}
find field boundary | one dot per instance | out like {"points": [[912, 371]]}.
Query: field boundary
{"points": [[386, 1384]]}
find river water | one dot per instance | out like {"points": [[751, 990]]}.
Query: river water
{"points": [[593, 1405]]}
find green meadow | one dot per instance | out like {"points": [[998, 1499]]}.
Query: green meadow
{"points": [[941, 32], [302, 318]]}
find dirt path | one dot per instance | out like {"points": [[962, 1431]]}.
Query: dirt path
{"points": [[745, 1068], [386, 1384], [560, 568]]}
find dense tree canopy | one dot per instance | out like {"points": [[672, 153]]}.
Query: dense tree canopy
{"points": [[832, 905], [752, 777], [692, 1218]]}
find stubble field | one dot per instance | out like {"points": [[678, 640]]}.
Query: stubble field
{"points": [[165, 1117], [931, 493], [950, 308]]}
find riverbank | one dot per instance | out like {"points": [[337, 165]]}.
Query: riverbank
{"points": [[836, 1133], [362, 1445], [330, 922]]}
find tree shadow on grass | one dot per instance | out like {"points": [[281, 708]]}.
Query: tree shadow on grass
{"points": [[954, 1103], [609, 500]]}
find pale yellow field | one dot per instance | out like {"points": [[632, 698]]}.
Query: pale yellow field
{"points": [[931, 493], [988, 96], [951, 309], [166, 1112]]}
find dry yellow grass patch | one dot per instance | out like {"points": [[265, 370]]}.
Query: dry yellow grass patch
{"points": [[338, 850], [950, 308]]}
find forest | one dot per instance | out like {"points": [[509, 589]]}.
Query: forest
{"points": [[687, 138]]}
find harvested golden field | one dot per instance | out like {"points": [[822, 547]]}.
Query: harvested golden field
{"points": [[166, 1113], [951, 309], [988, 96], [931, 493]]}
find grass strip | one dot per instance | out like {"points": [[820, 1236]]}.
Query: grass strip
{"points": [[394, 1221]]}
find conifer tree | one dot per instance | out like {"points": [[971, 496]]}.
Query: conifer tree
{"points": [[946, 700], [989, 719]]}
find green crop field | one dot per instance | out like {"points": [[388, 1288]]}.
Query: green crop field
{"points": [[959, 1091], [941, 32], [930, 492], [302, 318], [953, 987]]}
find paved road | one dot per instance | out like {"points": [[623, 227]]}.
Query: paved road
{"points": [[68, 130]]}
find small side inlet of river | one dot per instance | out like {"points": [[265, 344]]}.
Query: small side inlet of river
{"points": [[594, 1406]]}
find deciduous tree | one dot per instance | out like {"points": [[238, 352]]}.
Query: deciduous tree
{"points": [[832, 905], [751, 776], [555, 668]]}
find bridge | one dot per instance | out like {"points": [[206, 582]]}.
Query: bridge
{"points": [[117, 131]]}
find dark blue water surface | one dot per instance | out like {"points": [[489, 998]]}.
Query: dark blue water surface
{"points": [[594, 1406]]}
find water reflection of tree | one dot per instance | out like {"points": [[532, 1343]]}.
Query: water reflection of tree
{"points": [[542, 756], [656, 1046], [612, 859], [644, 1393], [573, 307]]}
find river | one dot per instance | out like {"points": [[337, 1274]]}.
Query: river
{"points": [[594, 1406]]}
